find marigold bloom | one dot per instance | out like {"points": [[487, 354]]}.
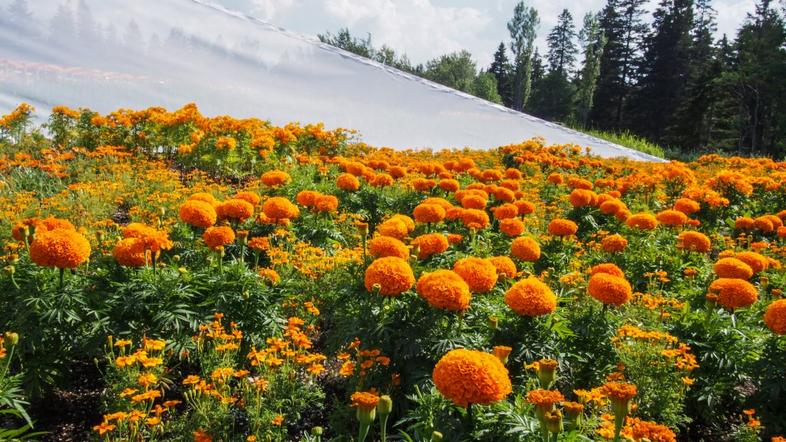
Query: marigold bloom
{"points": [[734, 293], [608, 268], [506, 211], [732, 268], [365, 400], [307, 198], [757, 262], [614, 243], [473, 202], [609, 289], [673, 218], [544, 399], [250, 197], [562, 227], [620, 391], [479, 273], [60, 248], [525, 207], [582, 198], [694, 242], [449, 185], [444, 289], [525, 249], [408, 222], [216, 237], [198, 213], [428, 213], [393, 276], [383, 246], [531, 297], [475, 219], [394, 228], [687, 206], [280, 208], [511, 227], [642, 221], [505, 266], [612, 207], [275, 178], [430, 244], [326, 204], [235, 209], [348, 182], [775, 317], [130, 252], [471, 377]]}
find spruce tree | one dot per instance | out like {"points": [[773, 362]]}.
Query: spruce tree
{"points": [[553, 94], [624, 29], [501, 68], [665, 70], [522, 34]]}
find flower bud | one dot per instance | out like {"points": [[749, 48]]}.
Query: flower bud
{"points": [[493, 322], [366, 417], [436, 436], [11, 339], [316, 431], [385, 405], [553, 419]]}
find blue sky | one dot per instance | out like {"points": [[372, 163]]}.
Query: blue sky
{"points": [[424, 29]]}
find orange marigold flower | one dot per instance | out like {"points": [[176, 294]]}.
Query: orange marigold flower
{"points": [[506, 211], [392, 275], [511, 227], [471, 377], [687, 206], [654, 432], [544, 399], [52, 223], [732, 268], [479, 273], [348, 182], [365, 400], [562, 227], [130, 252], [525, 207], [198, 213], [504, 265], [608, 268], [307, 198], [756, 261], [673, 218], [326, 203], [612, 207], [744, 223], [642, 221], [620, 391], [275, 178], [475, 219], [609, 289], [449, 185], [473, 202], [775, 317], [734, 293], [383, 246], [394, 228], [531, 297], [430, 244], [216, 237], [429, 213], [236, 209], [614, 243], [205, 197], [280, 208], [60, 248], [444, 289], [525, 249], [582, 198], [694, 241], [250, 197]]}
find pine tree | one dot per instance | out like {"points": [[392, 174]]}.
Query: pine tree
{"points": [[552, 97], [593, 41], [625, 31], [562, 46], [501, 68], [522, 34], [665, 70], [693, 120]]}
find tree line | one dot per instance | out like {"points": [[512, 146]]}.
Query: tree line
{"points": [[668, 80]]}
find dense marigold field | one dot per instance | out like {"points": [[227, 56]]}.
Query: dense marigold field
{"points": [[170, 276]]}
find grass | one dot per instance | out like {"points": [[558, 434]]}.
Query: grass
{"points": [[628, 140]]}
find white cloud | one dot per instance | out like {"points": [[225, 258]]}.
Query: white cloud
{"points": [[268, 9], [417, 27]]}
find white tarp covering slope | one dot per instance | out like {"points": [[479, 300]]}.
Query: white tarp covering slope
{"points": [[109, 54]]}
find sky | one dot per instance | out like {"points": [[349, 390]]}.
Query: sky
{"points": [[424, 29]]}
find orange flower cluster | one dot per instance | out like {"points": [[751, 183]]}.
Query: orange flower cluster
{"points": [[444, 289], [531, 297], [479, 273], [59, 248], [471, 377], [391, 276]]}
